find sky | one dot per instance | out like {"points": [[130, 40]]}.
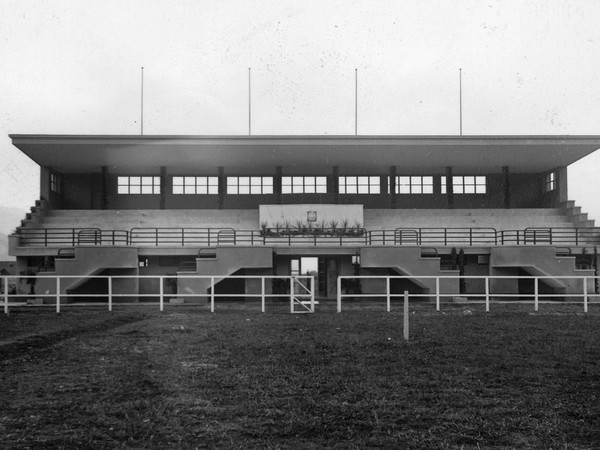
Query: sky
{"points": [[74, 67]]}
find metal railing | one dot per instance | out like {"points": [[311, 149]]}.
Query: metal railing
{"points": [[49, 237], [588, 288], [300, 289]]}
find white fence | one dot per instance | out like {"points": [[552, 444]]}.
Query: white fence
{"points": [[301, 291], [586, 293]]}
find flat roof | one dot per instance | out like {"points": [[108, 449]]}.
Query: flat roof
{"points": [[301, 154]]}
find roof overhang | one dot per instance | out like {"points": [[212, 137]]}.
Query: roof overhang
{"points": [[361, 154]]}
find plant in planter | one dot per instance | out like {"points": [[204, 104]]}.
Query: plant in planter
{"points": [[333, 224], [344, 225], [277, 226], [287, 227], [263, 228]]}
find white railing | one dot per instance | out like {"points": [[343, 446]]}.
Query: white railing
{"points": [[301, 289], [587, 283]]}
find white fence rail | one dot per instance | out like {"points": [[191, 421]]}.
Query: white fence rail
{"points": [[586, 292], [301, 289]]}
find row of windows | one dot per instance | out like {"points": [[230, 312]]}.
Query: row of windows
{"points": [[300, 185]]}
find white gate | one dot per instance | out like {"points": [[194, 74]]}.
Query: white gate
{"points": [[302, 294]]}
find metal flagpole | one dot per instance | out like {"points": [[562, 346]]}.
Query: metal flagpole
{"points": [[460, 96], [142, 106], [249, 102], [355, 102]]}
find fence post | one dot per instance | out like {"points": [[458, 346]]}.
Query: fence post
{"points": [[109, 293], [535, 293], [437, 293], [57, 294], [339, 294], [406, 315], [262, 293], [585, 295], [487, 294], [212, 294], [312, 293], [6, 295], [161, 290], [291, 294], [387, 293]]}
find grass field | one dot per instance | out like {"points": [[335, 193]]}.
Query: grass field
{"points": [[185, 378]]}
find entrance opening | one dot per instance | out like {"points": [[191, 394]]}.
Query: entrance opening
{"points": [[308, 266]]}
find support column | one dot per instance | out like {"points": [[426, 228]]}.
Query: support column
{"points": [[277, 185], [104, 192], [334, 183], [163, 187], [392, 187], [449, 188], [561, 184], [506, 184], [222, 187]]}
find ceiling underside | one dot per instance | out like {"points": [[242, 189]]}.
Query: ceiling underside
{"points": [[301, 154]]}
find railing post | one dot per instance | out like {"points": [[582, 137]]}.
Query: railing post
{"points": [[339, 294], [387, 293], [291, 294], [58, 294], [585, 295], [156, 236], [437, 293], [262, 293], [110, 286], [535, 293], [487, 294], [406, 315], [161, 291], [471, 237], [576, 236], [6, 295], [212, 294], [183, 237]]}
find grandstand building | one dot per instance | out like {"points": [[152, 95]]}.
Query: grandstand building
{"points": [[328, 205]]}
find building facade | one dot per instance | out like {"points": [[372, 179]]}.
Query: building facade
{"points": [[285, 205]]}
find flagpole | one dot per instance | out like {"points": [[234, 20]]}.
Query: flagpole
{"points": [[460, 97], [142, 106], [355, 102], [249, 102]]}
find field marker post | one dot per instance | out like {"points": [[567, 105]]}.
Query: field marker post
{"points": [[387, 293], [6, 295], [585, 295], [110, 293], [162, 293], [535, 294], [487, 294], [58, 294], [291, 294], [406, 315], [262, 293], [339, 295], [212, 294], [437, 293]]}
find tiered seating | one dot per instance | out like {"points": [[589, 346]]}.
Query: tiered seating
{"points": [[173, 218], [500, 219]]}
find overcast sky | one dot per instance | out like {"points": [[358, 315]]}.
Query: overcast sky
{"points": [[73, 67]]}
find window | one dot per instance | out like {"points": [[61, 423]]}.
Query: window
{"points": [[304, 185], [55, 183], [249, 185], [414, 185], [466, 184], [550, 182], [138, 185], [195, 185], [359, 185]]}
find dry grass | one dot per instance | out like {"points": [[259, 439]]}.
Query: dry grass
{"points": [[241, 379]]}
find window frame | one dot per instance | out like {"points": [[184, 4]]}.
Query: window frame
{"points": [[195, 183], [550, 181], [249, 185], [155, 185], [298, 184], [461, 184], [370, 184]]}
